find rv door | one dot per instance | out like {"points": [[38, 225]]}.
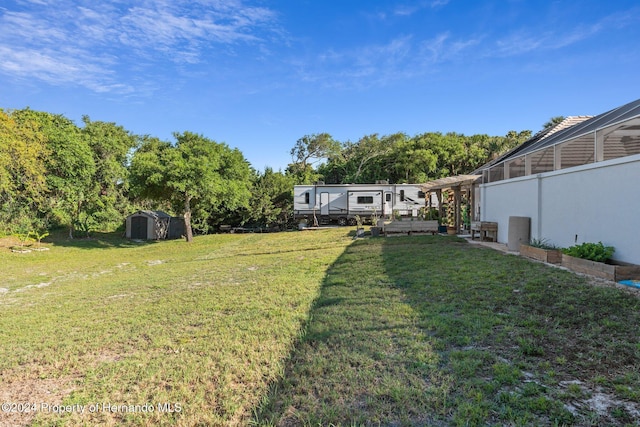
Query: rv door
{"points": [[324, 204], [387, 204]]}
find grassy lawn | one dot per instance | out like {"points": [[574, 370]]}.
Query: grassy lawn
{"points": [[311, 328], [206, 326], [434, 331]]}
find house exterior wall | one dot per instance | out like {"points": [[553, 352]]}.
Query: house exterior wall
{"points": [[589, 203], [507, 198]]}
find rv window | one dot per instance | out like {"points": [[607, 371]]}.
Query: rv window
{"points": [[421, 195], [388, 197], [363, 200], [402, 195], [306, 197]]}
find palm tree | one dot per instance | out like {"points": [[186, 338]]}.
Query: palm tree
{"points": [[553, 121]]}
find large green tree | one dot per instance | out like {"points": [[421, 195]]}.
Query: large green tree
{"points": [[194, 174], [23, 186], [111, 146], [272, 198], [69, 166], [308, 150]]}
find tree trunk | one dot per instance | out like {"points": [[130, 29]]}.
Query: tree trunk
{"points": [[187, 218]]}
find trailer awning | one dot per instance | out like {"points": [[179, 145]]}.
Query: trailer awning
{"points": [[450, 182]]}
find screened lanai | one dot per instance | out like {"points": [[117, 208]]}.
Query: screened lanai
{"points": [[584, 140]]}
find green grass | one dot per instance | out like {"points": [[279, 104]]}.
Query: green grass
{"points": [[433, 331], [206, 325], [313, 328]]}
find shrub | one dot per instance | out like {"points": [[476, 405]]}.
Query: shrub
{"points": [[542, 244], [592, 251]]}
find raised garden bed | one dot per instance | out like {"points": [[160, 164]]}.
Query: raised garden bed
{"points": [[612, 270], [551, 256]]}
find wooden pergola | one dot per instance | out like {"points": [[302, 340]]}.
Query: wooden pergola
{"points": [[459, 184]]}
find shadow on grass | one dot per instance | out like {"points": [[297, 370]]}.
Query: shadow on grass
{"points": [[362, 359], [429, 330], [96, 240]]}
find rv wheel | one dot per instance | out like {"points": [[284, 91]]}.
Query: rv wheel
{"points": [[342, 221], [352, 221]]}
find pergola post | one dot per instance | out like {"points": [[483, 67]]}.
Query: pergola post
{"points": [[456, 204]]}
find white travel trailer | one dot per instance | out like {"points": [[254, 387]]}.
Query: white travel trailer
{"points": [[324, 203]]}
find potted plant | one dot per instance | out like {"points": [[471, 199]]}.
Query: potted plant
{"points": [[541, 250], [442, 225], [375, 228], [451, 228]]}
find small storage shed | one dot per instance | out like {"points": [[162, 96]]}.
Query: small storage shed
{"points": [[154, 225]]}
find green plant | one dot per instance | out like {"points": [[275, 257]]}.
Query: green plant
{"points": [[429, 213], [39, 236], [374, 218], [591, 251], [23, 238], [542, 244], [466, 216]]}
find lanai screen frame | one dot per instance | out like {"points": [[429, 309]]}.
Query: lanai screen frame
{"points": [[610, 135]]}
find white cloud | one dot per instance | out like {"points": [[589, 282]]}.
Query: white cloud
{"points": [[532, 40], [379, 64], [411, 8], [90, 43]]}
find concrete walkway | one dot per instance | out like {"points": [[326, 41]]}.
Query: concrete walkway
{"points": [[493, 245]]}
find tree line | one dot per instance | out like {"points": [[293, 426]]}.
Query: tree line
{"points": [[56, 174], [397, 158]]}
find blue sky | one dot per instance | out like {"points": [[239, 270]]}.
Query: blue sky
{"points": [[258, 75]]}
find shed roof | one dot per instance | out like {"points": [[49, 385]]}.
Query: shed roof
{"points": [[152, 214]]}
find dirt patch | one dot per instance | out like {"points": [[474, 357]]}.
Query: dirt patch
{"points": [[597, 400], [28, 396], [33, 390], [8, 241], [595, 281]]}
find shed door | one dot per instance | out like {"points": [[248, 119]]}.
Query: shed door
{"points": [[139, 227]]}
